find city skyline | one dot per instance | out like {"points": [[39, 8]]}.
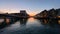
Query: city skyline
{"points": [[31, 6]]}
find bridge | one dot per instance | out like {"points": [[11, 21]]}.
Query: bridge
{"points": [[12, 18]]}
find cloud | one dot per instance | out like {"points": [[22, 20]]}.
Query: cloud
{"points": [[9, 10]]}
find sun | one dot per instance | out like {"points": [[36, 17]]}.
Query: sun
{"points": [[32, 14]]}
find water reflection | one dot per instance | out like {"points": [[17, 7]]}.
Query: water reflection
{"points": [[31, 19], [23, 21], [31, 22], [43, 21], [52, 23], [31, 26]]}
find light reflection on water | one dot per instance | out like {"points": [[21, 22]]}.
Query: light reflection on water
{"points": [[32, 26], [31, 22]]}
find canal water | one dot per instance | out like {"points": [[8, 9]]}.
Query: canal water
{"points": [[31, 26]]}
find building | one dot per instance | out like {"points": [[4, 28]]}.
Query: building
{"points": [[23, 13]]}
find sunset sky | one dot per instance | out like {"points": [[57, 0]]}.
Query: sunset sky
{"points": [[31, 6]]}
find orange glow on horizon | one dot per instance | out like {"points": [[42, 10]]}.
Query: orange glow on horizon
{"points": [[32, 14]]}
